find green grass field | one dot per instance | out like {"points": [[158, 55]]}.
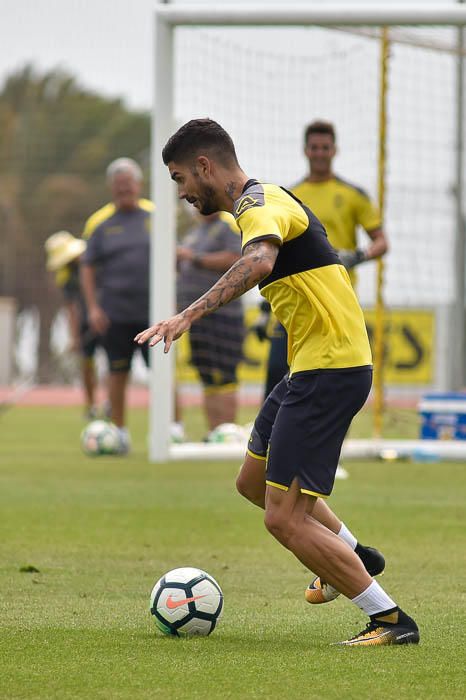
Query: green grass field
{"points": [[101, 531]]}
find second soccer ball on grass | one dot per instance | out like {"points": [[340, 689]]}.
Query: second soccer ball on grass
{"points": [[100, 438], [228, 433]]}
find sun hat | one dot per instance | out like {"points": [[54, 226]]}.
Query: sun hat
{"points": [[61, 248]]}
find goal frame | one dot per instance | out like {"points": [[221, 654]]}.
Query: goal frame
{"points": [[162, 292]]}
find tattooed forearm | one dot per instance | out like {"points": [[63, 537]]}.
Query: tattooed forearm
{"points": [[256, 263]]}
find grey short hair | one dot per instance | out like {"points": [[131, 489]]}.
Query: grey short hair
{"points": [[124, 165]]}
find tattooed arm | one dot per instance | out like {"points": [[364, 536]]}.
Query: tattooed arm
{"points": [[255, 264]]}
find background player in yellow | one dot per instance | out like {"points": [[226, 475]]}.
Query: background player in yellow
{"points": [[286, 252], [341, 207]]}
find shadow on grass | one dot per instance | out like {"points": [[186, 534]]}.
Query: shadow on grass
{"points": [[263, 642]]}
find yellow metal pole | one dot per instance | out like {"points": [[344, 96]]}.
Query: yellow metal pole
{"points": [[379, 397]]}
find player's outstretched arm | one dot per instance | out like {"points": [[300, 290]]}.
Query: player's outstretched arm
{"points": [[255, 264]]}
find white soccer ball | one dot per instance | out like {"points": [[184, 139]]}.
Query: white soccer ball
{"points": [[228, 433], [186, 602], [100, 438]]}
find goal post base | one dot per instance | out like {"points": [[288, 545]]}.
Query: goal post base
{"points": [[388, 450]]}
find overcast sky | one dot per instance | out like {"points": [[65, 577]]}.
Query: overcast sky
{"points": [[106, 44]]}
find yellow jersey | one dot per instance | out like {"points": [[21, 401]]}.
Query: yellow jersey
{"points": [[308, 289], [341, 207]]}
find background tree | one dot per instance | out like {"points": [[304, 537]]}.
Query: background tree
{"points": [[56, 140]]}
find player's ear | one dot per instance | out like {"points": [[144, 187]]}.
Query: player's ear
{"points": [[204, 165]]}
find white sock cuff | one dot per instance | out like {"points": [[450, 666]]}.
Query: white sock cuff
{"points": [[373, 600], [347, 536]]}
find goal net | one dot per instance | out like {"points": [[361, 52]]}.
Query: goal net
{"points": [[264, 84]]}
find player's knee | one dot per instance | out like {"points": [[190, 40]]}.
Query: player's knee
{"points": [[279, 526]]}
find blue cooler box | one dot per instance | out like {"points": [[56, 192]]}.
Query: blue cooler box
{"points": [[443, 416]]}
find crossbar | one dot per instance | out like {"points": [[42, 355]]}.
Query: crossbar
{"points": [[301, 15]]}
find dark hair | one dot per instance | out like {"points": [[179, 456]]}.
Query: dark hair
{"points": [[320, 127], [197, 137]]}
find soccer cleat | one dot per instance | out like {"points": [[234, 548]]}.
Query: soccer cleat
{"points": [[372, 559], [393, 628], [320, 592]]}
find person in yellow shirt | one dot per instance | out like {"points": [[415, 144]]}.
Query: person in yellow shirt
{"points": [[286, 252], [342, 208]]}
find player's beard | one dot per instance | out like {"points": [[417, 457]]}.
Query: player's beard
{"points": [[207, 201]]}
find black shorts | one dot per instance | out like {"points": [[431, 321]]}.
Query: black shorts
{"points": [[301, 426], [118, 343], [217, 349]]}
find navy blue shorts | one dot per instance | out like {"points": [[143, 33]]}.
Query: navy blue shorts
{"points": [[301, 426], [118, 343]]}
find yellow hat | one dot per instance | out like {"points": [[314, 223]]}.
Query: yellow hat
{"points": [[62, 248]]}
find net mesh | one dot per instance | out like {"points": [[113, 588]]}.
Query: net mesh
{"points": [[264, 85]]}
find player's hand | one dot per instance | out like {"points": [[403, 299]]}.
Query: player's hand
{"points": [[351, 258], [183, 254], [165, 330], [98, 320]]}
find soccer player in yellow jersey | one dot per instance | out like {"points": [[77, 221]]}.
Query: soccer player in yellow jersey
{"points": [[341, 207], [285, 250]]}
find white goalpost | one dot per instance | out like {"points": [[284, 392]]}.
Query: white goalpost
{"points": [[274, 73]]}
